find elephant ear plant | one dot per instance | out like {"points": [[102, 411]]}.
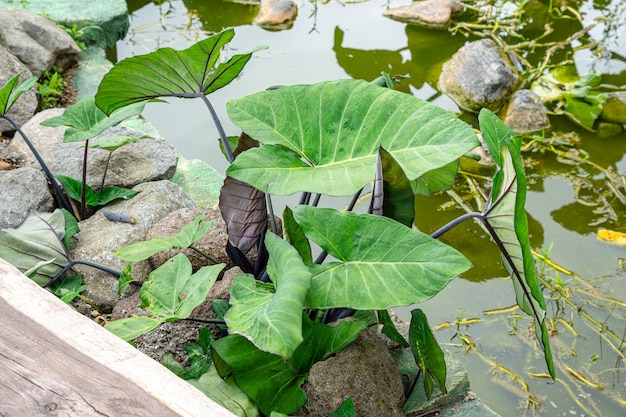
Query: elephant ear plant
{"points": [[334, 138]]}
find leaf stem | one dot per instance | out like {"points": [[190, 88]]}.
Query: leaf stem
{"points": [[72, 262], [62, 199], [220, 129], [445, 228]]}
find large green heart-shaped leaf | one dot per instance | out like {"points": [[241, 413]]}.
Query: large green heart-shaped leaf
{"points": [[324, 138], [86, 120], [272, 321], [172, 292], [36, 246], [381, 263], [507, 223], [170, 73], [272, 382]]}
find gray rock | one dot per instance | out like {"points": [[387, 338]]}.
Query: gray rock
{"points": [[365, 371], [525, 113], [24, 108], [102, 22], [146, 160], [99, 238], [23, 191], [36, 41], [212, 244], [429, 13], [478, 76], [276, 13], [614, 109]]}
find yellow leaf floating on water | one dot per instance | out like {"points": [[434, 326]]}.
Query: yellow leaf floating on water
{"points": [[610, 236]]}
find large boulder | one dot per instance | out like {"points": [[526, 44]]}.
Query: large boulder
{"points": [[525, 113], [99, 238], [429, 13], [478, 76], [22, 192], [36, 41], [24, 108], [365, 371], [149, 159]]}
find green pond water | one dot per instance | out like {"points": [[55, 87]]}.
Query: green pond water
{"points": [[570, 196]]}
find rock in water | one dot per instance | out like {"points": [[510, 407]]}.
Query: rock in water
{"points": [[429, 13], [525, 113], [478, 76], [278, 14]]}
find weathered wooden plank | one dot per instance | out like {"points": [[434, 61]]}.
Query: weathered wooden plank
{"points": [[56, 362]]}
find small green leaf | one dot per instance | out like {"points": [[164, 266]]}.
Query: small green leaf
{"points": [[111, 193], [428, 355], [86, 120], [9, 93], [125, 279], [132, 327], [68, 288], [389, 328], [187, 236], [172, 291], [114, 142], [73, 188]]}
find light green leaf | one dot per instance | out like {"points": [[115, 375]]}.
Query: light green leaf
{"points": [[73, 188], [187, 236], [381, 263], [172, 292], [125, 278], [68, 288], [71, 227], [132, 327], [226, 393], [114, 142], [272, 382], [11, 92], [86, 120], [324, 138], [170, 73], [113, 192], [508, 224], [272, 321], [427, 353], [38, 242]]}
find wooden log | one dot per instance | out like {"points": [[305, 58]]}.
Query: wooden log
{"points": [[56, 362]]}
